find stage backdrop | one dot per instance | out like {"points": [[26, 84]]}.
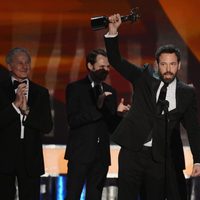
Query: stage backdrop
{"points": [[58, 35]]}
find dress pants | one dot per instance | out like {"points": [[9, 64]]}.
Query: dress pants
{"points": [[92, 174], [28, 187], [140, 177]]}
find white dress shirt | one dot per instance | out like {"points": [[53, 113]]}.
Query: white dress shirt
{"points": [[170, 97]]}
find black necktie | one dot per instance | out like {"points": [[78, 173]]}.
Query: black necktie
{"points": [[17, 83], [161, 103]]}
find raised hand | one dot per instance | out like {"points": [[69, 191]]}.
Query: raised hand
{"points": [[122, 108], [115, 22]]}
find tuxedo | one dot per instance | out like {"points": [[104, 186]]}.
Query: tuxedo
{"points": [[87, 150], [23, 157], [4, 73], [142, 118]]}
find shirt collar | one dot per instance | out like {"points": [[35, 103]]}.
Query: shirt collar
{"points": [[172, 84], [93, 83]]}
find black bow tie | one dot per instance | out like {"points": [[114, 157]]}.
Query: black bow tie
{"points": [[17, 83]]}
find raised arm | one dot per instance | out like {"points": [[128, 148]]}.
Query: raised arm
{"points": [[129, 71]]}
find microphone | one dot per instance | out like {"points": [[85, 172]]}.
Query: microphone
{"points": [[101, 22], [165, 105]]}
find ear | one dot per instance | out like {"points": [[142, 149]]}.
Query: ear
{"points": [[9, 67], [90, 66], [155, 65]]}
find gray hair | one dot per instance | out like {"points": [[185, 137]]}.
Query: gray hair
{"points": [[10, 55]]}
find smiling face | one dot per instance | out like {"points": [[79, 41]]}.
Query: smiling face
{"points": [[20, 66], [168, 66]]}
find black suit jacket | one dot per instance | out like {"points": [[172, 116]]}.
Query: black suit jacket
{"points": [[4, 73], [142, 118], [87, 123], [37, 123]]}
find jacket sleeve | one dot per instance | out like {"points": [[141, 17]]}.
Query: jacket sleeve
{"points": [[129, 71], [109, 111], [191, 124], [8, 114]]}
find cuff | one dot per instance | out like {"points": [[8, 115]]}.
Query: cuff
{"points": [[107, 35], [196, 163]]}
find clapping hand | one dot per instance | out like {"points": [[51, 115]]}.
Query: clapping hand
{"points": [[101, 98], [21, 99], [196, 170]]}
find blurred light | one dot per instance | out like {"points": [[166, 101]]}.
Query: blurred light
{"points": [[83, 193], [61, 188]]}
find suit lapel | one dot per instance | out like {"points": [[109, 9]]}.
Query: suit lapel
{"points": [[179, 93], [155, 85]]}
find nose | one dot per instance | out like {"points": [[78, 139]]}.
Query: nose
{"points": [[107, 68], [25, 65], [168, 68]]}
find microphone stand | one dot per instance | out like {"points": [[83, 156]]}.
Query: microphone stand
{"points": [[165, 109]]}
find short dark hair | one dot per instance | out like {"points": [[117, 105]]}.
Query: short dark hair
{"points": [[10, 55], [169, 48], [92, 55]]}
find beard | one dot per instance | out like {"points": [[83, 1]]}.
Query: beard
{"points": [[166, 79], [99, 75]]}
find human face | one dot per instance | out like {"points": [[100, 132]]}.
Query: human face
{"points": [[101, 63], [20, 66], [100, 69], [168, 67]]}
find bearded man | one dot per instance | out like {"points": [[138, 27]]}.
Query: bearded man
{"points": [[151, 159]]}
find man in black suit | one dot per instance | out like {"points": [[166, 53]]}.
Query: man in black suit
{"points": [[91, 107], [151, 158], [25, 116], [4, 73]]}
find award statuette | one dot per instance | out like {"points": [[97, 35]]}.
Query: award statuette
{"points": [[101, 22]]}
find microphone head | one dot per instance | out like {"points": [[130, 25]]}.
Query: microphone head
{"points": [[166, 103]]}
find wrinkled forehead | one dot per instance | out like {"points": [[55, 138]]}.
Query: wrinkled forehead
{"points": [[21, 56]]}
